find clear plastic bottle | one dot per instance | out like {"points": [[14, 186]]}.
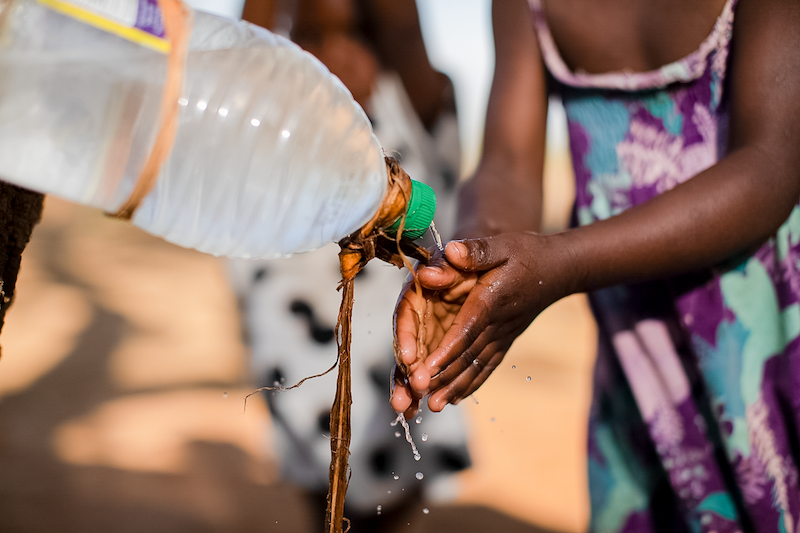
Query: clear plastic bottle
{"points": [[272, 155]]}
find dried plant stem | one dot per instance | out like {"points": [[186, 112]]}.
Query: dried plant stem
{"points": [[340, 417], [279, 388], [356, 251]]}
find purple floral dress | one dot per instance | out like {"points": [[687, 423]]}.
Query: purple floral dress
{"points": [[694, 422]]}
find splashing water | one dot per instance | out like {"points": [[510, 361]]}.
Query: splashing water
{"points": [[402, 420], [436, 237]]}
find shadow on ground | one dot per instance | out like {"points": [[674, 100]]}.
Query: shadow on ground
{"points": [[122, 282]]}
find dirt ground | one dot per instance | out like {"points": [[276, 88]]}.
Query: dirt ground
{"points": [[121, 386]]}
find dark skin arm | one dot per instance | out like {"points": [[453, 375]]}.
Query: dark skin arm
{"points": [[504, 195], [493, 284]]}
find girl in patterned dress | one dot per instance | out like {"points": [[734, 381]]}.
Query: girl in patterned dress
{"points": [[684, 124]]}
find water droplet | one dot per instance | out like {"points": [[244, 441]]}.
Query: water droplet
{"points": [[285, 134], [255, 122], [182, 101], [424, 437], [417, 456], [540, 283], [396, 477], [425, 510], [201, 105], [419, 420], [222, 112], [397, 434], [475, 361], [224, 394], [528, 378], [513, 367], [379, 509], [419, 475], [492, 419]]}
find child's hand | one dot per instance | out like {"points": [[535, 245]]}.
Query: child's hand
{"points": [[444, 291], [474, 305]]}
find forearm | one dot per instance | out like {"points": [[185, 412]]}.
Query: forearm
{"points": [[505, 193], [731, 208], [500, 198]]}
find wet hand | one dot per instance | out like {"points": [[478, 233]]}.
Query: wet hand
{"points": [[423, 315], [473, 303]]}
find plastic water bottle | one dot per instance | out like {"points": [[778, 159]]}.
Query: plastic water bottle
{"points": [[272, 155]]}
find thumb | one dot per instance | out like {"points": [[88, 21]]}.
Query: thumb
{"points": [[476, 255]]}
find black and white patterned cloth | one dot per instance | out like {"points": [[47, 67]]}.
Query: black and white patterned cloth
{"points": [[290, 307]]}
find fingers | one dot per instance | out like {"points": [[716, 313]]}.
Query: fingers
{"points": [[403, 399], [413, 410], [477, 381], [437, 309], [441, 276], [477, 255], [459, 341], [455, 313], [468, 380], [420, 380], [407, 325]]}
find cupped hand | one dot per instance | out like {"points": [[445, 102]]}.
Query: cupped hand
{"points": [[474, 301]]}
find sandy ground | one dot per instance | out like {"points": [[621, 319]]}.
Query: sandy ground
{"points": [[121, 386]]}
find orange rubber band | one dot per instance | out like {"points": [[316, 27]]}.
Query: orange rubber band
{"points": [[177, 20]]}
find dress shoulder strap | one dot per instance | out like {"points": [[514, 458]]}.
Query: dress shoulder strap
{"points": [[685, 69]]}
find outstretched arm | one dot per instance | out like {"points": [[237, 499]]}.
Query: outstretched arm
{"points": [[505, 192], [732, 207], [504, 195]]}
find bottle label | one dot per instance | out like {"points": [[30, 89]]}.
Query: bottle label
{"points": [[135, 20]]}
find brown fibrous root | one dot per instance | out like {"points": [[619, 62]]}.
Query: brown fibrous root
{"points": [[357, 250]]}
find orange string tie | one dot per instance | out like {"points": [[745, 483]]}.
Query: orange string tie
{"points": [[177, 18]]}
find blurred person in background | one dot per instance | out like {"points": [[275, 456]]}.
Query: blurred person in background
{"points": [[684, 123], [291, 306]]}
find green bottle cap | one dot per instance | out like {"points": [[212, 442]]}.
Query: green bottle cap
{"points": [[419, 214]]}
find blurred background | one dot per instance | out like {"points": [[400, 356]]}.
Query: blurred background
{"points": [[124, 372]]}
